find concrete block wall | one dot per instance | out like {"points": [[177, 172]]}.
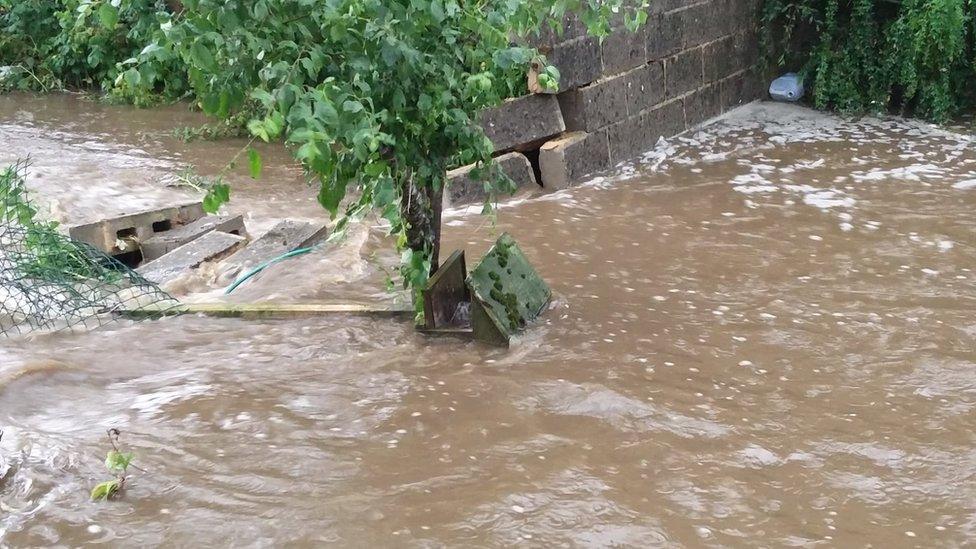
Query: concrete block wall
{"points": [[693, 60], [690, 62]]}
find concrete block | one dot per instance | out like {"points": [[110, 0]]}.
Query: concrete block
{"points": [[208, 247], [743, 14], [683, 72], [719, 59], [728, 22], [571, 28], [703, 23], [745, 49], [165, 242], [638, 134], [741, 88], [463, 189], [572, 157], [664, 35], [579, 62], [624, 50], [284, 237], [595, 106], [732, 91], [668, 120], [522, 123], [702, 104], [106, 234], [629, 138], [645, 87]]}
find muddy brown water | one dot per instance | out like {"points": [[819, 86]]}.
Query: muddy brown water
{"points": [[762, 335]]}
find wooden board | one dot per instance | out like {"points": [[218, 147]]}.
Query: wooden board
{"points": [[273, 310], [445, 292]]}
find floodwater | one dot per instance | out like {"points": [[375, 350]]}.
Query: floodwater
{"points": [[90, 161], [762, 334]]}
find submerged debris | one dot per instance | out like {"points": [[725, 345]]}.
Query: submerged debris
{"points": [[49, 281]]}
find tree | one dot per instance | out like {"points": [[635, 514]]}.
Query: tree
{"points": [[378, 97]]}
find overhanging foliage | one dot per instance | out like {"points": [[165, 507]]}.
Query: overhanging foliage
{"points": [[379, 96]]}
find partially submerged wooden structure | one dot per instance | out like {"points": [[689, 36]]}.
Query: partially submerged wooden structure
{"points": [[492, 303], [501, 295]]}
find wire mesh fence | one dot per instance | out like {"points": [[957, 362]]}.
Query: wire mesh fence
{"points": [[49, 282]]}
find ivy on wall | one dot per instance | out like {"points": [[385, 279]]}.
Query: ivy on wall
{"points": [[914, 57]]}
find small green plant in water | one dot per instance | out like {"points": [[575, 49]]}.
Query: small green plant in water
{"points": [[117, 463]]}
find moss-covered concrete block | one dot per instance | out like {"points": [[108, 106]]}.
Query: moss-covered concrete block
{"points": [[506, 293]]}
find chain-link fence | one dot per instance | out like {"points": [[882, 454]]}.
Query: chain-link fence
{"points": [[49, 282]]}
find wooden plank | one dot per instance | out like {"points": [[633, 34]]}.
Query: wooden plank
{"points": [[274, 310], [445, 292]]}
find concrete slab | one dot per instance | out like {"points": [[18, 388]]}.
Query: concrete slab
{"points": [[507, 293], [446, 295], [284, 237], [208, 247], [462, 189], [164, 242], [107, 234], [521, 123]]}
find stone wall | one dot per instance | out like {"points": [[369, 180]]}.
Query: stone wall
{"points": [[692, 61]]}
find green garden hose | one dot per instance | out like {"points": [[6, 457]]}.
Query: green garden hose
{"points": [[265, 265]]}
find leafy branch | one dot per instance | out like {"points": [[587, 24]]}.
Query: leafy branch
{"points": [[117, 463]]}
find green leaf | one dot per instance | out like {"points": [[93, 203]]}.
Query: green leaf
{"points": [[257, 129], [352, 106], [331, 193], [118, 462], [326, 112], [263, 96], [424, 103], [132, 77], [108, 15], [217, 195], [374, 169], [254, 161], [437, 10], [202, 57], [105, 490], [210, 103]]}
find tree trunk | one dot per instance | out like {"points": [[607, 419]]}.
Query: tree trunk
{"points": [[421, 209]]}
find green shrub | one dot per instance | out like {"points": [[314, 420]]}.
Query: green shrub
{"points": [[72, 44], [914, 57]]}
